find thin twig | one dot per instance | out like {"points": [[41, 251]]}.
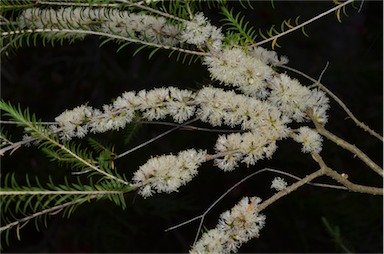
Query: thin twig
{"points": [[322, 72], [324, 185], [188, 127], [361, 6], [303, 24], [155, 138], [340, 102]]}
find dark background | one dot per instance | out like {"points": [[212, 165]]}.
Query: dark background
{"points": [[50, 80]]}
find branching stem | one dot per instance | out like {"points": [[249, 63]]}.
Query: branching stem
{"points": [[344, 181], [290, 188], [340, 102], [349, 147]]}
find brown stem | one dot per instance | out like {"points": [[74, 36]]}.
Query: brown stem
{"points": [[324, 170], [289, 189], [344, 144], [344, 181]]}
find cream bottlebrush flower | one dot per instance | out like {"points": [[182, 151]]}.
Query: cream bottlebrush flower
{"points": [[230, 146], [157, 30], [122, 23], [75, 122], [144, 27], [267, 56], [311, 140], [181, 104], [245, 147], [294, 99], [167, 173], [62, 18], [152, 103], [111, 118], [216, 39], [256, 147], [319, 103], [114, 116], [212, 103], [127, 101], [214, 241], [233, 67], [235, 227], [199, 31], [159, 102], [217, 107], [279, 184]]}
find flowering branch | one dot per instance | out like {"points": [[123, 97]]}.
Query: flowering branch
{"points": [[260, 105]]}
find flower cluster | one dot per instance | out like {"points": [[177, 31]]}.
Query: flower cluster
{"points": [[199, 32], [279, 184], [311, 140], [157, 103], [72, 121], [154, 104], [246, 147], [167, 173], [235, 227], [112, 21], [294, 99], [252, 74], [217, 106], [234, 67]]}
